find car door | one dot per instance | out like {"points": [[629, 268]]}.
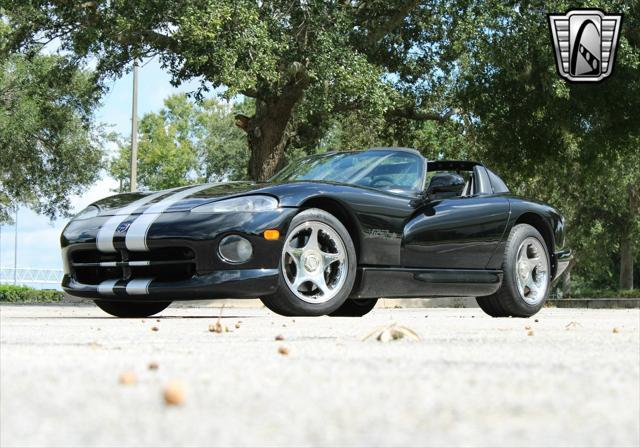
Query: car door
{"points": [[458, 232]]}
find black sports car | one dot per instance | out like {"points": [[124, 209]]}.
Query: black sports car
{"points": [[329, 234]]}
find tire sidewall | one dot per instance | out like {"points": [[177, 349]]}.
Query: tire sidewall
{"points": [[519, 234], [287, 300]]}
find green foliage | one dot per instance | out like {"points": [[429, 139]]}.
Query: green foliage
{"points": [[591, 293], [15, 294], [50, 147], [185, 143], [576, 146], [301, 61]]}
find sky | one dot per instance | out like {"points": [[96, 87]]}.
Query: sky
{"points": [[38, 237]]}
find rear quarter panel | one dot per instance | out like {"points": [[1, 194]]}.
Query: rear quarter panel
{"points": [[524, 210]]}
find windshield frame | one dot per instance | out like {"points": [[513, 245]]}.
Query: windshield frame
{"points": [[384, 152]]}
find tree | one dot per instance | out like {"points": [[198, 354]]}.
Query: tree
{"points": [[51, 149], [573, 145], [184, 143], [379, 57]]}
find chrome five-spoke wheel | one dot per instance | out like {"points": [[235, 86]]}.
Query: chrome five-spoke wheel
{"points": [[531, 271], [526, 275], [314, 262], [317, 266]]}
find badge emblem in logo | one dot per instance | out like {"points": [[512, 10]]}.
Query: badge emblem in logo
{"points": [[123, 227], [585, 42]]}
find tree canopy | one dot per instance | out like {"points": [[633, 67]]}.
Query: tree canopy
{"points": [[378, 57], [185, 143], [50, 147]]}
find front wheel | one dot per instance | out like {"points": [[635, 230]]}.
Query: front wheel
{"points": [[124, 309], [526, 276], [317, 266]]}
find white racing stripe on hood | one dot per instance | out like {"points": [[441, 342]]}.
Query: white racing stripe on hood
{"points": [[136, 237], [104, 239]]}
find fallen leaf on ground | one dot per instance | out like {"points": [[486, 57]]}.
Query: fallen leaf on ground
{"points": [[392, 332], [127, 378], [215, 328], [279, 338], [153, 365], [174, 393], [237, 325], [530, 333], [283, 350], [572, 324], [616, 330], [154, 328]]}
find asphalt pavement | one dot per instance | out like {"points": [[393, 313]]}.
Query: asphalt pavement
{"points": [[72, 376]]}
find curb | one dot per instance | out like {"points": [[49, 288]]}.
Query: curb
{"points": [[596, 303]]}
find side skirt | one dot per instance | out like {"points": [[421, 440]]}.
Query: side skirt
{"points": [[375, 282]]}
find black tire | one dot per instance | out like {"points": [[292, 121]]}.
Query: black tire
{"points": [[355, 308], [507, 301], [129, 309], [285, 302], [273, 306]]}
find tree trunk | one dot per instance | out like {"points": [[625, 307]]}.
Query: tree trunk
{"points": [[626, 243], [267, 129], [267, 140], [626, 263]]}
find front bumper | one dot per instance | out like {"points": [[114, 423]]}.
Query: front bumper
{"points": [[182, 260], [240, 283]]}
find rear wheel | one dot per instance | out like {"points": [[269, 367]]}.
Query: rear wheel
{"points": [[526, 276], [317, 266], [128, 309], [355, 308]]}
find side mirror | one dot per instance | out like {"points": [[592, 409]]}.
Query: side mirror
{"points": [[445, 185]]}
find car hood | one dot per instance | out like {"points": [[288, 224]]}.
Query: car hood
{"points": [[173, 200], [182, 199]]}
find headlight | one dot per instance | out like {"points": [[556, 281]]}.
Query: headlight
{"points": [[89, 212], [257, 203]]}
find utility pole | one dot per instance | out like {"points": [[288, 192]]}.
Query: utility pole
{"points": [[134, 131], [15, 251]]}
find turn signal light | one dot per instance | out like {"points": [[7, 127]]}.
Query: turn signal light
{"points": [[271, 234]]}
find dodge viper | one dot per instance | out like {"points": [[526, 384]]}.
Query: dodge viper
{"points": [[327, 235]]}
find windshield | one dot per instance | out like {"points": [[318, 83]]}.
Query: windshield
{"points": [[389, 170]]}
